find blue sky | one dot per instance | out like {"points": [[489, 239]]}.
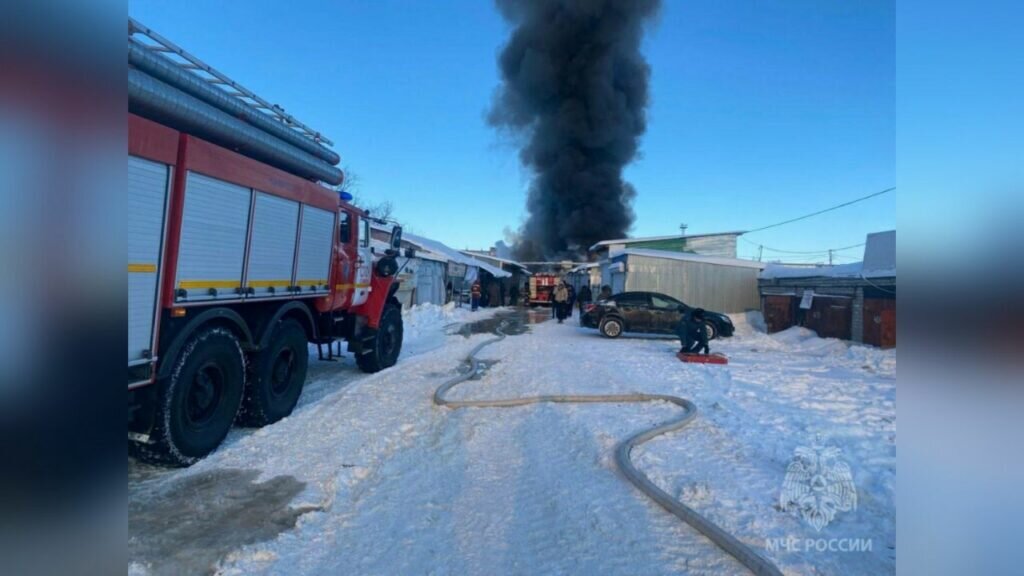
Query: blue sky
{"points": [[761, 110]]}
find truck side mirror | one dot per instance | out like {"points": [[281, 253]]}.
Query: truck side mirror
{"points": [[396, 238]]}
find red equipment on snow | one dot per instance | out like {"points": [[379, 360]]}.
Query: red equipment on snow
{"points": [[715, 358]]}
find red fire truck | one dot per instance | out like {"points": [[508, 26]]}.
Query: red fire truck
{"points": [[542, 285], [238, 259]]}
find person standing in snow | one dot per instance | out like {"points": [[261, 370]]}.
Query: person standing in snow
{"points": [[561, 298], [571, 301], [513, 295], [584, 297], [606, 293], [693, 336], [474, 295]]}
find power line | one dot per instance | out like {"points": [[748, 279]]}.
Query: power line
{"points": [[838, 206], [816, 252], [770, 249]]}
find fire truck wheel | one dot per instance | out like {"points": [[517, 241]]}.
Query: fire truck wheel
{"points": [[611, 327], [383, 349], [198, 402], [276, 376]]}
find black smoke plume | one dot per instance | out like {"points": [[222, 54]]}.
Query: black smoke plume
{"points": [[575, 89]]}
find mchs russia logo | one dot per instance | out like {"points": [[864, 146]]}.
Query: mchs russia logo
{"points": [[818, 484]]}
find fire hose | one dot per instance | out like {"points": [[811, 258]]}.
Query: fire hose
{"points": [[724, 540]]}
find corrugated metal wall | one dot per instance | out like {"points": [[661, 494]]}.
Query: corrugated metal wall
{"points": [[715, 287], [430, 282]]}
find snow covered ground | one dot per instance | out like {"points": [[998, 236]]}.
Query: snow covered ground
{"points": [[369, 477]]}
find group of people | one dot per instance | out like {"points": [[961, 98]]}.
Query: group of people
{"points": [[564, 297], [493, 295]]}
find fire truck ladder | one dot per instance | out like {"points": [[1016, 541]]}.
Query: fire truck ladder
{"points": [[157, 43]]}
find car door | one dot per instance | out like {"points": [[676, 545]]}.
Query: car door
{"points": [[665, 313], [635, 310]]}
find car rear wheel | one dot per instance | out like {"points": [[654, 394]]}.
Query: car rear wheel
{"points": [[611, 327]]}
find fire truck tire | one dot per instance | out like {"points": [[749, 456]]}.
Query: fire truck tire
{"points": [[276, 376], [611, 327], [382, 350], [197, 404]]}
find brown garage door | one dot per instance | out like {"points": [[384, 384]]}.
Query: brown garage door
{"points": [[778, 312], [880, 322], [830, 317]]}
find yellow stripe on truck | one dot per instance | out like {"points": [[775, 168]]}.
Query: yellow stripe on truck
{"points": [[310, 282], [350, 286], [141, 268]]}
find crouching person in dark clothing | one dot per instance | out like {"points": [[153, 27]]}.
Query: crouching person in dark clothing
{"points": [[692, 335]]}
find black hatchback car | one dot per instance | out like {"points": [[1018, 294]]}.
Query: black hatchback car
{"points": [[648, 312]]}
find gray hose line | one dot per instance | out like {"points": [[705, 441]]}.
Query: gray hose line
{"points": [[723, 539]]}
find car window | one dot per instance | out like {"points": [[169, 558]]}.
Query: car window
{"points": [[659, 301], [631, 299]]}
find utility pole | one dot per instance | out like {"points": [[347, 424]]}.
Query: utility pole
{"points": [[682, 229], [830, 257], [760, 250]]}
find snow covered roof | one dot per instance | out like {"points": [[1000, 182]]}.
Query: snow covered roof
{"points": [[586, 266], [656, 238], [425, 254], [452, 255], [852, 270], [772, 271], [688, 257], [475, 254], [879, 262]]}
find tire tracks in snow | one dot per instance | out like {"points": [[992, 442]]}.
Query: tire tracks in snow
{"points": [[724, 540]]}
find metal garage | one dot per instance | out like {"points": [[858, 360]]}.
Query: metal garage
{"points": [[725, 285]]}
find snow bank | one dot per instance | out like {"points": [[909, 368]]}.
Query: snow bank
{"points": [[797, 340], [748, 323], [427, 318]]}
